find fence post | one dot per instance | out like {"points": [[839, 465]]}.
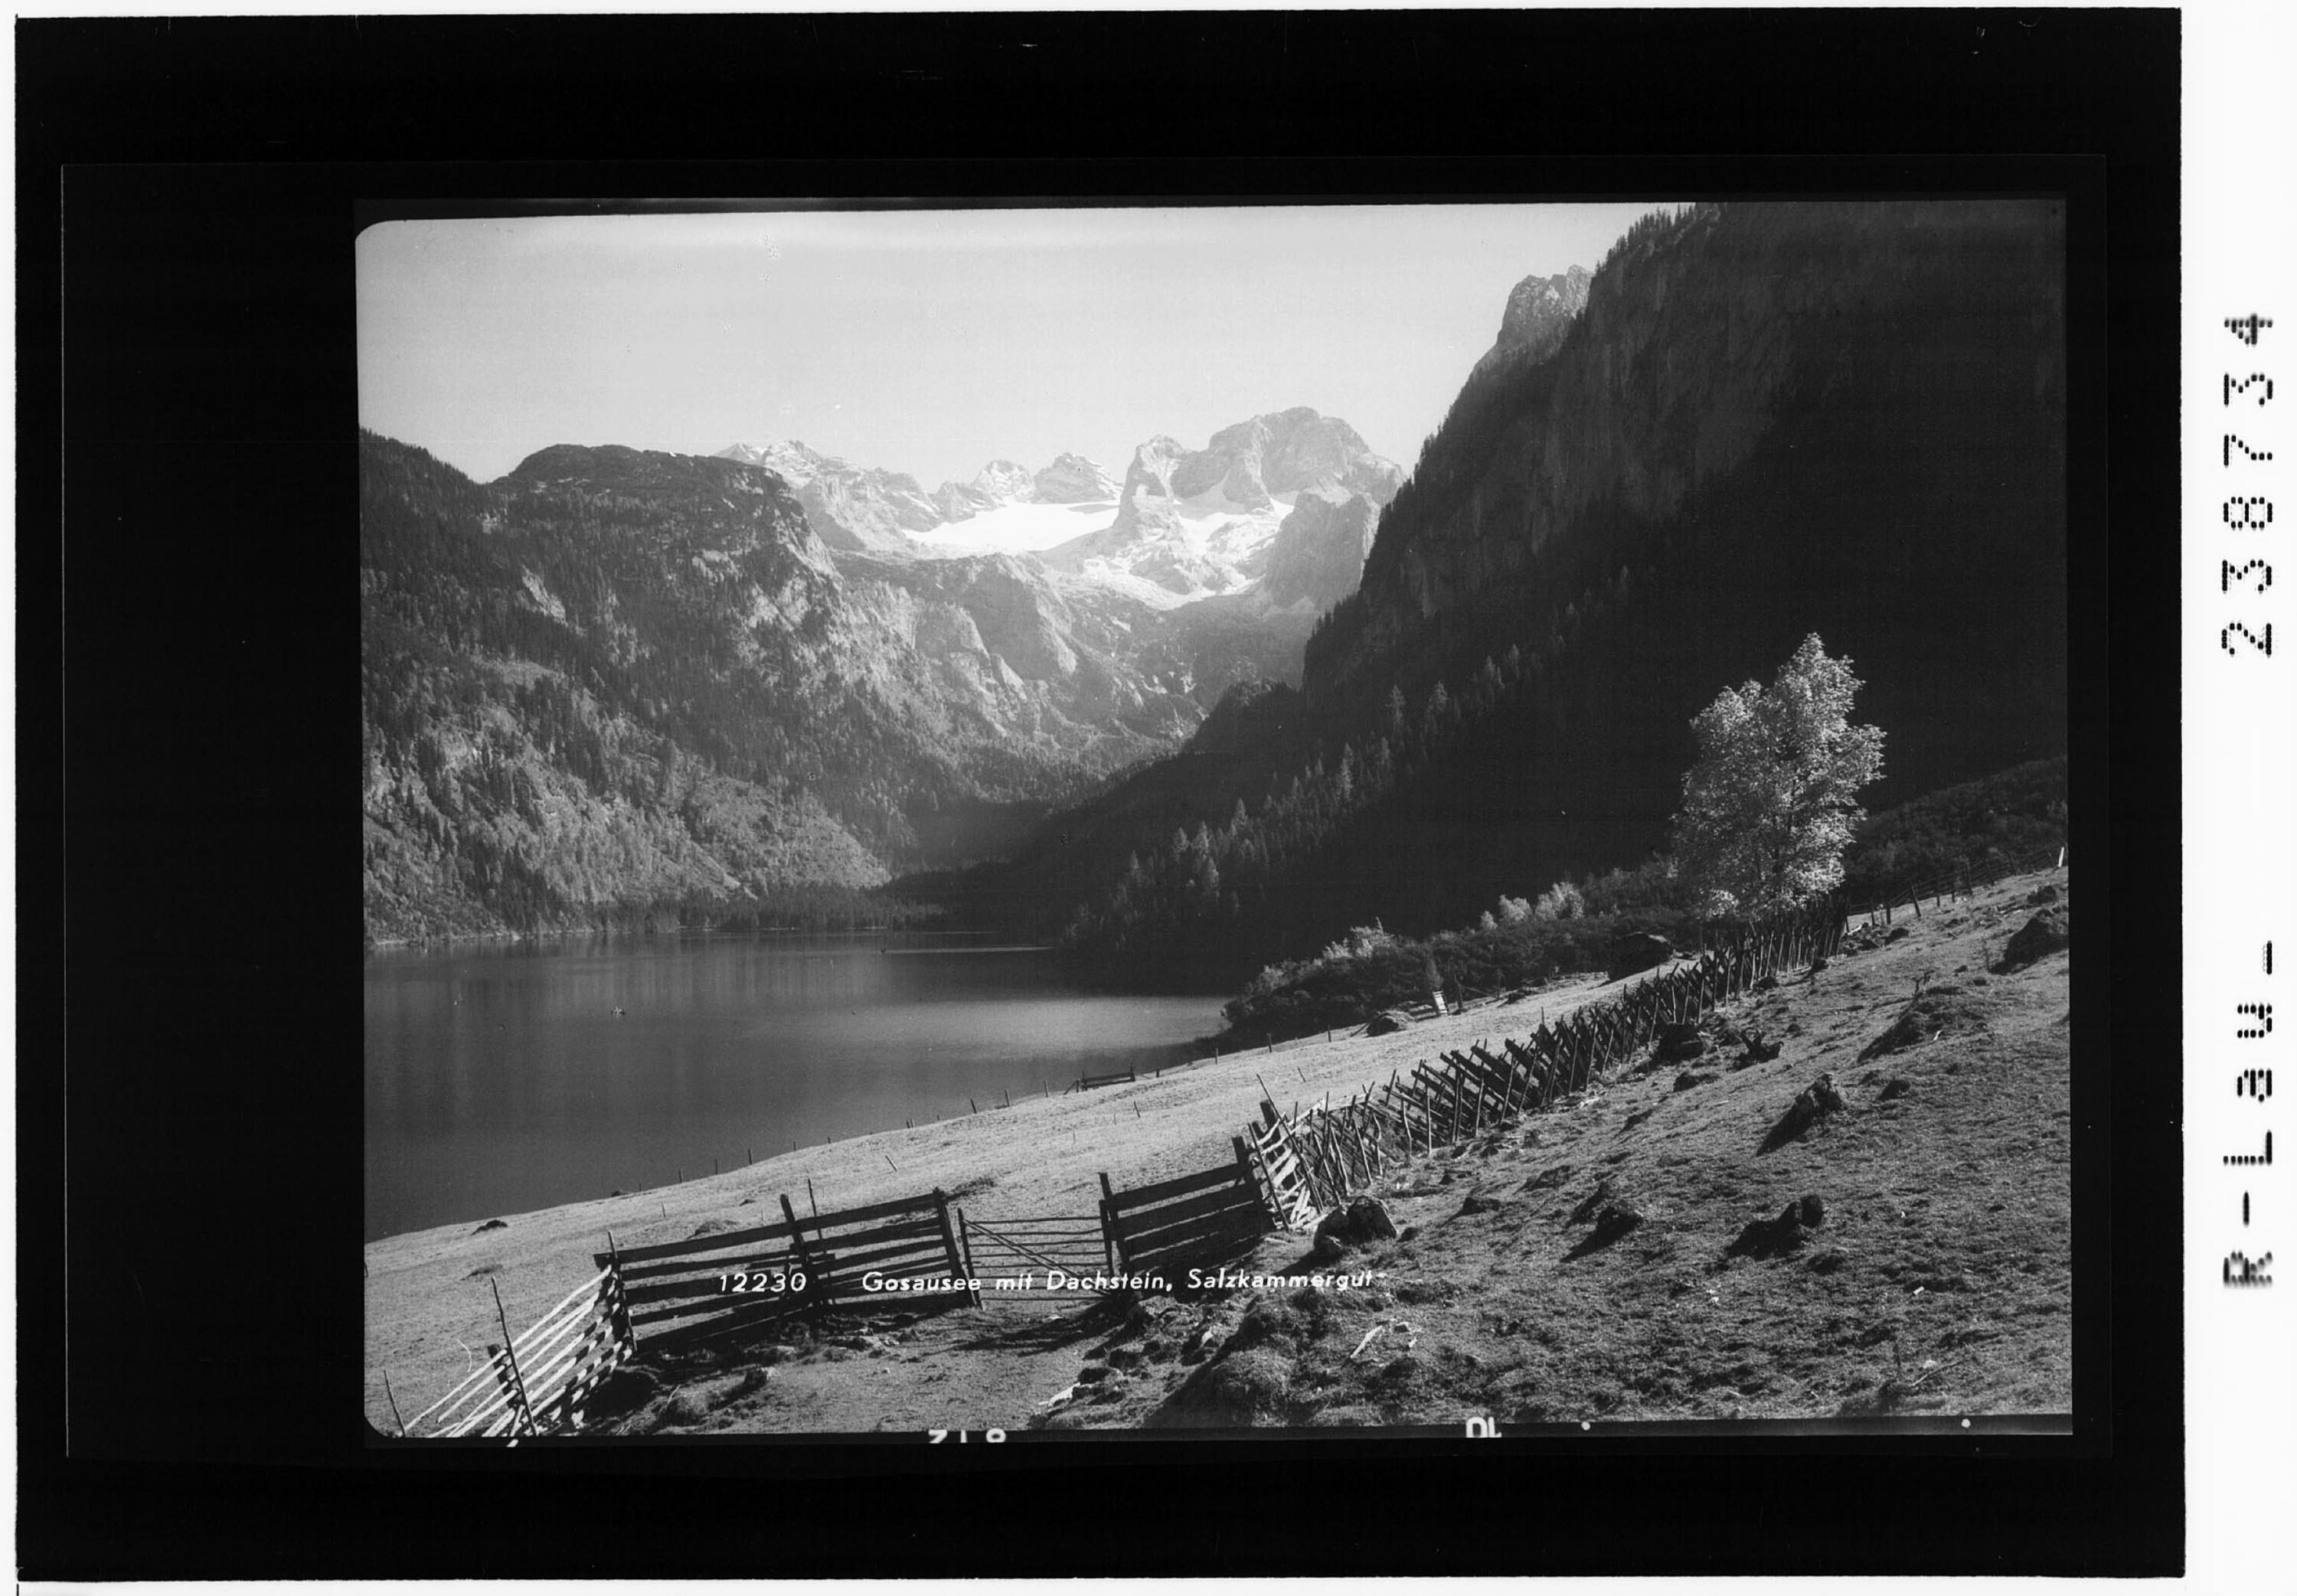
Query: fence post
{"points": [[817, 1288], [390, 1397], [965, 1243], [510, 1355], [1249, 1174], [949, 1241], [1111, 1242]]}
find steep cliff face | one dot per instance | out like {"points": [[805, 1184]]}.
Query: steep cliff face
{"points": [[1892, 375], [1318, 554], [1766, 420], [1539, 311]]}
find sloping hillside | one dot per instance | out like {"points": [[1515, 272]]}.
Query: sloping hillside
{"points": [[1933, 1274]]}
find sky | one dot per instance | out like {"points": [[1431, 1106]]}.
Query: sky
{"points": [[932, 341]]}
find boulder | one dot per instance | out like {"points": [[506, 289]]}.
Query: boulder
{"points": [[1386, 1023], [1364, 1219], [2044, 893], [1681, 1040], [1770, 1237], [1613, 1219], [2046, 933], [1813, 1104]]}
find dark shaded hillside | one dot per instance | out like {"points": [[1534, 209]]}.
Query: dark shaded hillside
{"points": [[1769, 421]]}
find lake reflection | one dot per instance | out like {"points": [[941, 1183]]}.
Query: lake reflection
{"points": [[503, 1080]]}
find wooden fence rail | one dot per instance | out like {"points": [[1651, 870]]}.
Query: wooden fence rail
{"points": [[1314, 1159], [1207, 1218], [1019, 1250], [1093, 1082], [536, 1384], [1959, 883], [709, 1287]]}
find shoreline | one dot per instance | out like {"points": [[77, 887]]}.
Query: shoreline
{"points": [[398, 944], [1938, 1195], [427, 1291]]}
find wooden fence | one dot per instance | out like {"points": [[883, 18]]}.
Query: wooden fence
{"points": [[1093, 1082], [1316, 1159], [1210, 1217], [1944, 886], [1286, 1171], [1281, 1168], [713, 1286], [1029, 1250], [537, 1384]]}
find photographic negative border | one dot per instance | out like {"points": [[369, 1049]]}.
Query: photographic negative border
{"points": [[2012, 1512]]}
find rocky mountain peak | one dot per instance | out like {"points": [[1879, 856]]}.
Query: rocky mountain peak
{"points": [[1205, 521], [1538, 311], [1072, 480], [1006, 479], [849, 507]]}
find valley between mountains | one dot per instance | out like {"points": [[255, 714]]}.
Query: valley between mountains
{"points": [[1216, 711], [619, 681]]}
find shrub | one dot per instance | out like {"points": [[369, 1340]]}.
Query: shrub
{"points": [[1561, 901]]}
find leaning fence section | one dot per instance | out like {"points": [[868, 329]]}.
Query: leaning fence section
{"points": [[536, 1384], [1314, 1159]]}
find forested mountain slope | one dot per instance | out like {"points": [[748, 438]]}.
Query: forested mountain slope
{"points": [[1769, 420], [616, 679]]}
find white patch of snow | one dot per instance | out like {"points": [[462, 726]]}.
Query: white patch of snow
{"points": [[1010, 529]]}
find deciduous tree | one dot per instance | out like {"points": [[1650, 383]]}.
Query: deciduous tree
{"points": [[1770, 802]]}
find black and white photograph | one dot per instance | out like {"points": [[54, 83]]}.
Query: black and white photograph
{"points": [[1302, 818]]}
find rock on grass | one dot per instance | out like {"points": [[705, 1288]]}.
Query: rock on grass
{"points": [[2043, 935], [1816, 1101], [1366, 1218], [1771, 1238], [1613, 1216]]}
